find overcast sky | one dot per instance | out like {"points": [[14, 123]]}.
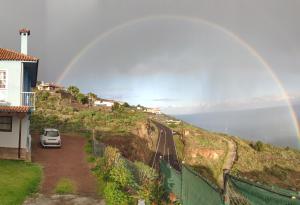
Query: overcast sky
{"points": [[183, 56]]}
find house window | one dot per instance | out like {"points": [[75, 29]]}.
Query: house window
{"points": [[3, 79], [5, 123]]}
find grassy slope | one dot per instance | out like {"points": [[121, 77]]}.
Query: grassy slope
{"points": [[273, 165], [115, 128], [17, 180]]}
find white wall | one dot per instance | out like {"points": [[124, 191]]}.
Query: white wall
{"points": [[11, 139], [14, 85]]}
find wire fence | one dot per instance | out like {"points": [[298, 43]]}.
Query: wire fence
{"points": [[191, 188]]}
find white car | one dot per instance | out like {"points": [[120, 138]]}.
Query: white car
{"points": [[50, 138]]}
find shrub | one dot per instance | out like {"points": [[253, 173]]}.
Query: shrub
{"points": [[146, 178], [83, 99], [278, 172], [258, 146], [111, 156], [121, 175], [113, 195], [65, 186], [126, 104], [73, 90]]}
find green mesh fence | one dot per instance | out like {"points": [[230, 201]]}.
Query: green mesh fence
{"points": [[197, 191], [171, 179], [189, 187], [243, 192]]}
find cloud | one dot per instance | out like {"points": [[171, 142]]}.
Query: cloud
{"points": [[235, 104], [165, 100]]}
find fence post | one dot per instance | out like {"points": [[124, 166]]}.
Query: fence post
{"points": [[225, 187]]}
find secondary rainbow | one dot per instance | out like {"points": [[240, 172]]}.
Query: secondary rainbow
{"points": [[224, 30]]}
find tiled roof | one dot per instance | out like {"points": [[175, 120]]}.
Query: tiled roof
{"points": [[24, 30], [10, 55], [14, 109]]}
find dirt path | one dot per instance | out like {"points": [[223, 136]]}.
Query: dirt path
{"points": [[229, 160], [69, 161], [165, 147]]}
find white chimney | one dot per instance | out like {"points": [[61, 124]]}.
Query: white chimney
{"points": [[24, 33]]}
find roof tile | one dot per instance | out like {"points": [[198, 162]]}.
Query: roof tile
{"points": [[10, 55], [14, 109]]}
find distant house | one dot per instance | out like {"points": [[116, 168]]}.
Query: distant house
{"points": [[104, 103], [153, 110], [177, 122], [18, 74], [49, 87]]}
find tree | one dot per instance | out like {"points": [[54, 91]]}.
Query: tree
{"points": [[73, 90], [116, 106], [92, 96], [126, 104], [83, 99]]}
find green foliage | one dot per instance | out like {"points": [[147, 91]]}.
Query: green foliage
{"points": [[43, 96], [73, 90], [120, 174], [133, 180], [93, 96], [278, 172], [114, 195], [65, 186], [146, 178], [18, 179], [83, 99], [111, 157], [116, 106], [258, 146], [126, 105]]}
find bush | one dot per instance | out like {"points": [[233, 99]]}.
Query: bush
{"points": [[113, 195], [121, 175], [146, 178], [73, 90], [278, 172], [43, 96], [111, 156], [82, 98], [258, 146], [65, 186]]}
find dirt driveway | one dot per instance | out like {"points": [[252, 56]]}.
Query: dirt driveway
{"points": [[68, 161]]}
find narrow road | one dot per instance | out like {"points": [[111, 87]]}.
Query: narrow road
{"points": [[165, 147]]}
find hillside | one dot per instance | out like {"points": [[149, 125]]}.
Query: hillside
{"points": [[123, 127], [206, 152]]}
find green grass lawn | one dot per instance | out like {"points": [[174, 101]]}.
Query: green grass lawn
{"points": [[18, 179]]}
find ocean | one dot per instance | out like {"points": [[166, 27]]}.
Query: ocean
{"points": [[269, 125]]}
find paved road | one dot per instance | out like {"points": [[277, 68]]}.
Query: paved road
{"points": [[69, 161], [165, 147]]}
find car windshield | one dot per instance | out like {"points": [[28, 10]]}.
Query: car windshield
{"points": [[52, 133]]}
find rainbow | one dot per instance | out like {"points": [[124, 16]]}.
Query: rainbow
{"points": [[227, 32]]}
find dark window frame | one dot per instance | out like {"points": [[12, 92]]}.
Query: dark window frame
{"points": [[7, 130]]}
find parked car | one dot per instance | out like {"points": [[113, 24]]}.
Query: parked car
{"points": [[50, 138]]}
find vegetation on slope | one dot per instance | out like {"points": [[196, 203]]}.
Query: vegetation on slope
{"points": [[18, 179], [256, 161], [121, 180]]}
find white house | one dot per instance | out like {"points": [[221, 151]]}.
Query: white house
{"points": [[104, 103], [18, 74], [153, 110], [49, 87]]}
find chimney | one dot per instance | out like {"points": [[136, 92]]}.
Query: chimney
{"points": [[24, 33]]}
